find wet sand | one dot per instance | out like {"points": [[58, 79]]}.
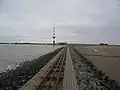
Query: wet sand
{"points": [[106, 58]]}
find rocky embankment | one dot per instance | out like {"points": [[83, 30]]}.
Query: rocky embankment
{"points": [[88, 76], [14, 79]]}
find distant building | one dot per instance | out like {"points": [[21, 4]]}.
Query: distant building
{"points": [[103, 44], [106, 44], [62, 43]]}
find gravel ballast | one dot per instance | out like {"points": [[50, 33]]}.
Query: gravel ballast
{"points": [[88, 76], [15, 79]]}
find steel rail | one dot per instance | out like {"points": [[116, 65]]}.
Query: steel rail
{"points": [[34, 83], [53, 75]]}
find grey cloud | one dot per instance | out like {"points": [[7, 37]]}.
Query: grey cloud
{"points": [[80, 21]]}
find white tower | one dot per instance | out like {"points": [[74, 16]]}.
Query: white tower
{"points": [[54, 36]]}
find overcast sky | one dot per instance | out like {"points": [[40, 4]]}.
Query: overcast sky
{"points": [[76, 21]]}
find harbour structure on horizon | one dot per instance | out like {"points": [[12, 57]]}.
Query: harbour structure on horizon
{"points": [[54, 35]]}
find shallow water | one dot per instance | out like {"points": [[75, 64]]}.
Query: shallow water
{"points": [[10, 55]]}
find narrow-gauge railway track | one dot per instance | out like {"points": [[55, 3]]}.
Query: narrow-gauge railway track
{"points": [[51, 76], [54, 78], [68, 70]]}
